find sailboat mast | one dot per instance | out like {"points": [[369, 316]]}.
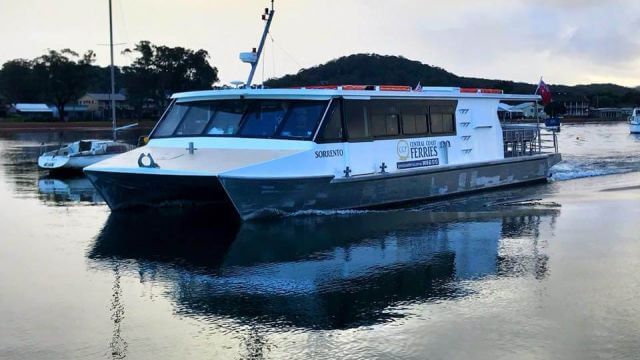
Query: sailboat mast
{"points": [[264, 38], [113, 77]]}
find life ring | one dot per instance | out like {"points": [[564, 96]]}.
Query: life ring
{"points": [[151, 164]]}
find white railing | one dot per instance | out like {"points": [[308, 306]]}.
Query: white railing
{"points": [[526, 140]]}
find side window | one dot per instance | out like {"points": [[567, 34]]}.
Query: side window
{"points": [[415, 118], [385, 118], [385, 124], [442, 119], [357, 119], [332, 131]]}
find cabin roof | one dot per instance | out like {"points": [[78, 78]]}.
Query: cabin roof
{"points": [[32, 108], [325, 93]]}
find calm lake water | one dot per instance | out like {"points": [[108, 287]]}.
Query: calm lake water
{"points": [[538, 272]]}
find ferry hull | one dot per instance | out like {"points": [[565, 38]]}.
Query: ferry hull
{"points": [[127, 190], [253, 198], [257, 197]]}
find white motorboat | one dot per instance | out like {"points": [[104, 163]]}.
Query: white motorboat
{"points": [[79, 154], [634, 121]]}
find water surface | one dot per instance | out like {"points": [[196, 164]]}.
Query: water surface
{"points": [[544, 271]]}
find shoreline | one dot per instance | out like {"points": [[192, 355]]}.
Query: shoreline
{"points": [[72, 125]]}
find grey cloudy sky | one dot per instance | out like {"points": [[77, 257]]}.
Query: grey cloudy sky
{"points": [[567, 41]]}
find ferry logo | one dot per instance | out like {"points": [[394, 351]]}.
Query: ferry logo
{"points": [[403, 150]]}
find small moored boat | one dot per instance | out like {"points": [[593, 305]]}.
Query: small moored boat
{"points": [[634, 121], [79, 154]]}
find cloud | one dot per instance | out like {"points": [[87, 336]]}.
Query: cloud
{"points": [[571, 40]]}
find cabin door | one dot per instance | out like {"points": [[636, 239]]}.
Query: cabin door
{"points": [[359, 158], [359, 150]]}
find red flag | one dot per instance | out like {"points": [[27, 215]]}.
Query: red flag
{"points": [[544, 91]]}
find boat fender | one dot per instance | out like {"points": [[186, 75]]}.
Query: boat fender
{"points": [[150, 164]]}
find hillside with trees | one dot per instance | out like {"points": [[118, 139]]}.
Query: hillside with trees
{"points": [[386, 70]]}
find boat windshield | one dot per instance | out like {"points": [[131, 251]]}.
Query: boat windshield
{"points": [[280, 119]]}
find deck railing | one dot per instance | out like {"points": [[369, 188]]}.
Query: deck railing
{"points": [[524, 140]]}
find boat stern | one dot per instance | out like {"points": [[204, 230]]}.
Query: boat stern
{"points": [[50, 161]]}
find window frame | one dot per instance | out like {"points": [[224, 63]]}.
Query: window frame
{"points": [[250, 102], [453, 120], [318, 138], [428, 103], [346, 127]]}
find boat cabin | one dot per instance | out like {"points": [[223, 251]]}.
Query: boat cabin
{"points": [[363, 129]]}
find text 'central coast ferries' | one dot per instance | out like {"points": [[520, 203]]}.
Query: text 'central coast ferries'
{"points": [[329, 147]]}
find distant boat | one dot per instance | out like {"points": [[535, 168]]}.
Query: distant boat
{"points": [[634, 121], [80, 154]]}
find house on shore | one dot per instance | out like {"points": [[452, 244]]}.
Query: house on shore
{"points": [[611, 113], [39, 111], [526, 110], [99, 104], [32, 111]]}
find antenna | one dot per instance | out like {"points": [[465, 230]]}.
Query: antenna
{"points": [[253, 57]]}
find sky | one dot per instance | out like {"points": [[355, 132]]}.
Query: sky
{"points": [[565, 41]]}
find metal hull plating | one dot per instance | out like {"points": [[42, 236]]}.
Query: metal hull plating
{"points": [[253, 197], [122, 191]]}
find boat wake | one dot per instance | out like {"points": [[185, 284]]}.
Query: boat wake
{"points": [[304, 213], [576, 168]]}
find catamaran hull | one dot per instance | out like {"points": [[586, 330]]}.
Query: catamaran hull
{"points": [[125, 190], [252, 198]]}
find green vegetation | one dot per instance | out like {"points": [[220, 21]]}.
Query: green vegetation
{"points": [[160, 71], [61, 77], [373, 69]]}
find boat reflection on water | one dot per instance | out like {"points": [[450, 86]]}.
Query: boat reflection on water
{"points": [[321, 272], [68, 190]]}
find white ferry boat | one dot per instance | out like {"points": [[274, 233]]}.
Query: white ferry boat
{"points": [[327, 147], [634, 121]]}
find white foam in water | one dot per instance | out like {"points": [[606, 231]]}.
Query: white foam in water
{"points": [[330, 212], [568, 170]]}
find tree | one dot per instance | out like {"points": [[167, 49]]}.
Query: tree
{"points": [[159, 71], [18, 83], [555, 108], [64, 76]]}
